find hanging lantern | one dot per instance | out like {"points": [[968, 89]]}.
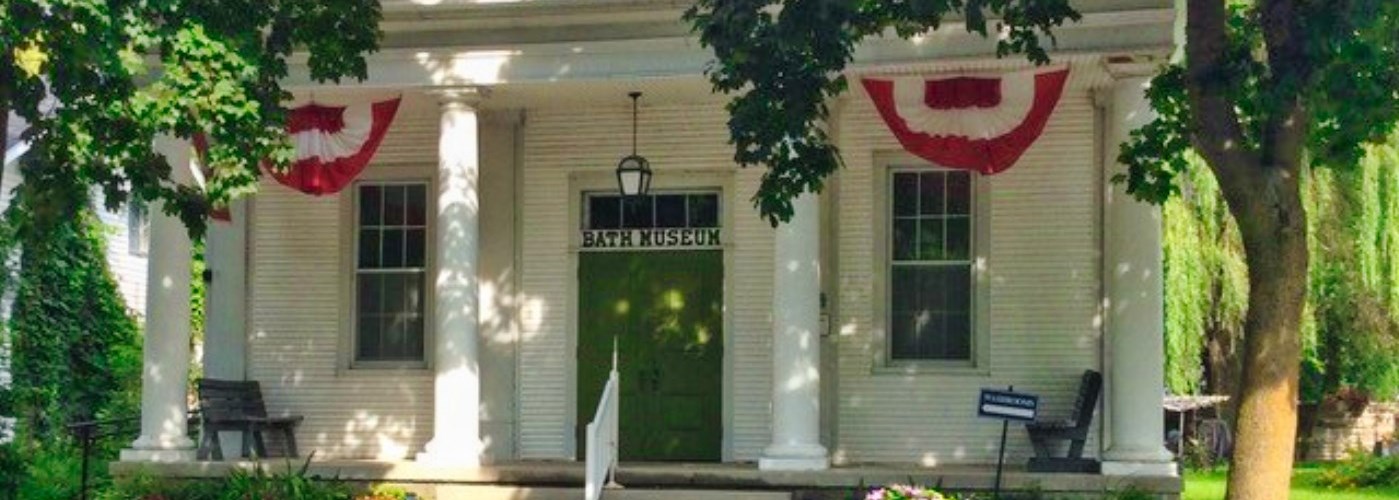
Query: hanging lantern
{"points": [[634, 172]]}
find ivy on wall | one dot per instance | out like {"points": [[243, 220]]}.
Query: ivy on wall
{"points": [[75, 349]]}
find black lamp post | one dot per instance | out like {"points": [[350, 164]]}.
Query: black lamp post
{"points": [[634, 172]]}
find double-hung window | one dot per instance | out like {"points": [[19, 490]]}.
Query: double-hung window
{"points": [[931, 282], [390, 272]]}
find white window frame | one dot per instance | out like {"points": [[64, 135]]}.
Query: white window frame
{"points": [[352, 272], [883, 261], [138, 227]]}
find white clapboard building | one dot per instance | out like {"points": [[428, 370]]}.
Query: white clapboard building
{"points": [[444, 275]]}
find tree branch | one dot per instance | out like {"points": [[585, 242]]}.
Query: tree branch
{"points": [[1217, 133], [1284, 131]]}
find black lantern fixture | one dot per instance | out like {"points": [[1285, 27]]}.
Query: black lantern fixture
{"points": [[634, 172]]}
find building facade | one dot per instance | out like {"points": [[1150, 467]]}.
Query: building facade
{"points": [[461, 299]]}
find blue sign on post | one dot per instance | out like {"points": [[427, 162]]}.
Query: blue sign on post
{"points": [[1007, 405]]}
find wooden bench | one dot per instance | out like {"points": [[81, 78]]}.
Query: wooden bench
{"points": [[236, 405], [1045, 434]]}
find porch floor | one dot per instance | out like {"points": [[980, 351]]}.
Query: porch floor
{"points": [[692, 476]]}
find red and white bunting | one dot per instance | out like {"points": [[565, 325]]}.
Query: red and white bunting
{"points": [[334, 144], [982, 123]]}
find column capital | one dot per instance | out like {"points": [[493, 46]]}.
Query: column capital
{"points": [[457, 96]]}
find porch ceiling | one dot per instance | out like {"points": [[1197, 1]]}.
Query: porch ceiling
{"points": [[1090, 70], [458, 42]]}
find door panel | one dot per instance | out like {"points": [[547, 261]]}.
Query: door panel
{"points": [[666, 311]]}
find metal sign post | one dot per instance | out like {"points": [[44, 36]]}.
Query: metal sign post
{"points": [[1005, 406]]}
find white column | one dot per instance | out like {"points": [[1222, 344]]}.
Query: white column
{"points": [[457, 386], [165, 350], [796, 344], [1135, 305], [225, 342]]}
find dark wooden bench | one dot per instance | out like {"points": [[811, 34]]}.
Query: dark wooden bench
{"points": [[1045, 434], [236, 405]]}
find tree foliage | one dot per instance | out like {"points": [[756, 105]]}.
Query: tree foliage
{"points": [[784, 59], [1351, 50], [1354, 280], [1206, 286], [1351, 322], [125, 72]]}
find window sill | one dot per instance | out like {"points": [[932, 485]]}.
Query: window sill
{"points": [[381, 368], [931, 368]]}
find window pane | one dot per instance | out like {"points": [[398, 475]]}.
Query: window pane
{"points": [[369, 331], [412, 287], [930, 313], [930, 237], [959, 193], [417, 205], [670, 210], [604, 212], [636, 213], [958, 242], [395, 339], [956, 286], [906, 193], [393, 248], [904, 290], [905, 331], [958, 335], [369, 249], [414, 348], [704, 210], [394, 203], [930, 191], [906, 239], [369, 210], [370, 294], [416, 252], [395, 292], [932, 289]]}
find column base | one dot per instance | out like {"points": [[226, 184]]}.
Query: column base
{"points": [[160, 456], [794, 458], [456, 455], [171, 449], [1126, 468]]}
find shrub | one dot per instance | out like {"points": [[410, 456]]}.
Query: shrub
{"points": [[1361, 470], [259, 483]]}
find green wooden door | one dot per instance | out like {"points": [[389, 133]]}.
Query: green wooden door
{"points": [[665, 311]]}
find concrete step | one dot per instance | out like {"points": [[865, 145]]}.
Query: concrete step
{"points": [[492, 492]]}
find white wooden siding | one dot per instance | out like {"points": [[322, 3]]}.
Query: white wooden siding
{"points": [[297, 341], [127, 268], [298, 332], [674, 137], [1044, 279]]}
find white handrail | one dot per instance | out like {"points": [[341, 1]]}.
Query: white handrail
{"points": [[601, 453]]}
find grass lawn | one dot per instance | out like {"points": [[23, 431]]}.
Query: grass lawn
{"points": [[1209, 485]]}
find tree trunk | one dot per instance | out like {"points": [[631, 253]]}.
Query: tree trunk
{"points": [[1273, 224]]}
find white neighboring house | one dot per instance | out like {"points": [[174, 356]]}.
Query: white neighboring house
{"points": [[128, 238]]}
